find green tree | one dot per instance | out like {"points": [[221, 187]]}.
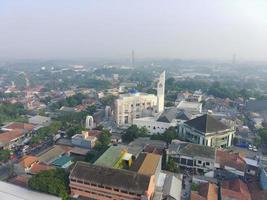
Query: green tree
{"points": [[108, 100], [133, 132], [4, 155], [263, 135], [103, 141], [91, 109], [172, 166], [53, 182]]}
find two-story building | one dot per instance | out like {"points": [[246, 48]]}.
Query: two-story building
{"points": [[208, 131], [198, 158]]}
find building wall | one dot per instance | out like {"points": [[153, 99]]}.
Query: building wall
{"points": [[94, 191], [198, 164], [82, 142], [153, 126], [221, 139], [133, 106]]}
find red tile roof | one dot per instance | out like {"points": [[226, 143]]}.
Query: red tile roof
{"points": [[27, 161], [207, 191], [18, 125], [234, 160], [11, 135], [38, 167], [235, 189]]}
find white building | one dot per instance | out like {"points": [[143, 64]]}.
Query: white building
{"points": [[84, 140], [194, 108], [40, 120], [158, 124], [135, 105], [206, 130]]}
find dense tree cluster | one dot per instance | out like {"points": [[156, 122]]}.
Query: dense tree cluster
{"points": [[133, 132], [11, 112], [71, 101], [53, 182], [217, 89], [45, 132], [169, 135], [263, 136]]}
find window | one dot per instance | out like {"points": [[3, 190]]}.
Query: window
{"points": [[199, 162], [207, 164], [190, 162]]}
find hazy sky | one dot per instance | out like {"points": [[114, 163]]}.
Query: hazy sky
{"points": [[205, 29]]}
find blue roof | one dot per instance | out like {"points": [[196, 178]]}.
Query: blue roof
{"points": [[62, 161], [133, 91]]}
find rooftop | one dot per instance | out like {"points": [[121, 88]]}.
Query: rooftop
{"points": [[111, 156], [27, 161], [51, 154], [206, 124], [146, 163], [168, 115], [18, 125], [11, 135], [39, 167], [190, 149], [225, 158], [118, 178], [62, 161]]}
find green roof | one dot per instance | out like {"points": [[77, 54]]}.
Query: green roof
{"points": [[62, 161], [110, 157]]}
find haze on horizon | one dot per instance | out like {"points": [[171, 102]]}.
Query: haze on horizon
{"points": [[185, 29]]}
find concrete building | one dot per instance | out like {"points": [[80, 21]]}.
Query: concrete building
{"points": [[40, 120], [194, 108], [206, 130], [160, 123], [230, 164], [84, 140], [199, 158], [234, 189], [135, 105], [103, 183]]}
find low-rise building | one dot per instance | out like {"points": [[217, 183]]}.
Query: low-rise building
{"points": [[84, 140], [63, 162], [198, 158], [115, 157], [206, 130], [194, 108], [232, 163], [40, 120], [234, 189], [98, 182], [158, 124]]}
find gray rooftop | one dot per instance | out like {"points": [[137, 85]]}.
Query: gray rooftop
{"points": [[206, 124], [192, 150], [116, 178], [168, 115]]}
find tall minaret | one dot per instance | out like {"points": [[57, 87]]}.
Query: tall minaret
{"points": [[160, 92]]}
